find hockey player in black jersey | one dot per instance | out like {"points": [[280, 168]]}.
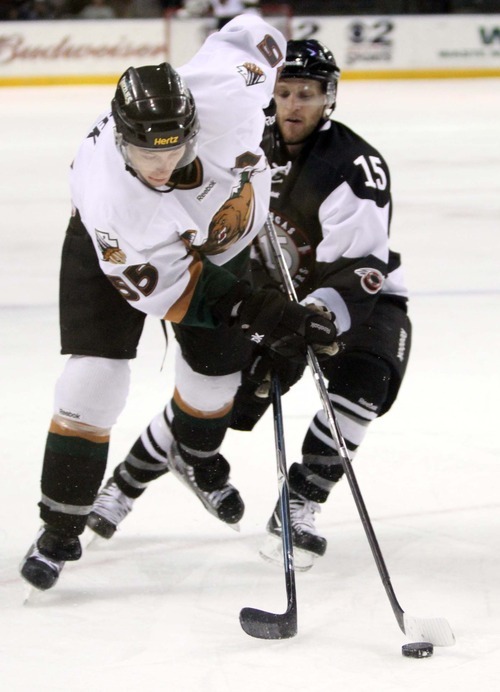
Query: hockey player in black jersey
{"points": [[331, 207]]}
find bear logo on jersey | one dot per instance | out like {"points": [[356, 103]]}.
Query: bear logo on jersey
{"points": [[232, 220]]}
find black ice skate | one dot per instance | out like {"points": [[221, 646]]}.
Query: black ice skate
{"points": [[45, 559], [307, 543], [111, 506], [225, 503]]}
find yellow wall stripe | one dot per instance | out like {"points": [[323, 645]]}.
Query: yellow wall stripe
{"points": [[457, 73]]}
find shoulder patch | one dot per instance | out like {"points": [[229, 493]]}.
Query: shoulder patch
{"points": [[251, 73], [246, 160], [110, 249], [372, 279]]}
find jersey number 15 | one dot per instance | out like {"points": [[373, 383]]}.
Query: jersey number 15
{"points": [[375, 174]]}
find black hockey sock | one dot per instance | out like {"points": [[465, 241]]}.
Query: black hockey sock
{"points": [[199, 441], [315, 477], [358, 389], [321, 467], [73, 469]]}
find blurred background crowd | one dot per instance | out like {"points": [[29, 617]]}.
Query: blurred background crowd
{"points": [[109, 9], [83, 9]]}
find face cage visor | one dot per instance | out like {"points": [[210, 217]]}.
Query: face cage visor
{"points": [[189, 155]]}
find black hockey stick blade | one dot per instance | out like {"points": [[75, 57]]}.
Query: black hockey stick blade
{"points": [[264, 625]]}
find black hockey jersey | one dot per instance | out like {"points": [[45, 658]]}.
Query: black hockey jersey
{"points": [[331, 208]]}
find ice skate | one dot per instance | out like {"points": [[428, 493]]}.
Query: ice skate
{"points": [[42, 564], [224, 503], [110, 508], [307, 543]]}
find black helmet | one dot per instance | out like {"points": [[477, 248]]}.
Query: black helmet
{"points": [[310, 59], [154, 109]]}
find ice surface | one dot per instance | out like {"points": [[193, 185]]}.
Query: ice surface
{"points": [[157, 607]]}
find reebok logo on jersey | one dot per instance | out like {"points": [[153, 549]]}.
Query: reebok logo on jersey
{"points": [[205, 192], [372, 280], [251, 73], [403, 336]]}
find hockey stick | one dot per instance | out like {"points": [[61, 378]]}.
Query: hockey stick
{"points": [[261, 623], [434, 630]]}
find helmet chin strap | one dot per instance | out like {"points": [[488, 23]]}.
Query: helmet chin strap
{"points": [[139, 177], [331, 100], [121, 148]]}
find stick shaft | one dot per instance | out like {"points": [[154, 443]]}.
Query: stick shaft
{"points": [[337, 435], [284, 494]]}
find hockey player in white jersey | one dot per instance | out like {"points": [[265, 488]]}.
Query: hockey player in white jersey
{"points": [[169, 188], [331, 206]]}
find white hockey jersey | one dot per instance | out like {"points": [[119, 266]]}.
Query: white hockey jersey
{"points": [[151, 243]]}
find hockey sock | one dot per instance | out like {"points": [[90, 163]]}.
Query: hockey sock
{"points": [[321, 467], [147, 459], [73, 469], [199, 441], [358, 386]]}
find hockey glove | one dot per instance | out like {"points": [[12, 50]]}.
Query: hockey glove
{"points": [[268, 318], [323, 351], [253, 396], [266, 364]]}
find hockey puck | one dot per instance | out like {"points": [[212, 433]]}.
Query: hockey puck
{"points": [[418, 650]]}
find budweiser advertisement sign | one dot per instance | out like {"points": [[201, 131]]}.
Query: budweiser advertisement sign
{"points": [[51, 48], [82, 51]]}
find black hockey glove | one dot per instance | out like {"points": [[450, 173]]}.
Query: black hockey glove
{"points": [[323, 352], [269, 319], [253, 397], [266, 364]]}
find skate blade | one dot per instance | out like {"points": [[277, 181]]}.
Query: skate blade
{"points": [[272, 551], [91, 539], [32, 596]]}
